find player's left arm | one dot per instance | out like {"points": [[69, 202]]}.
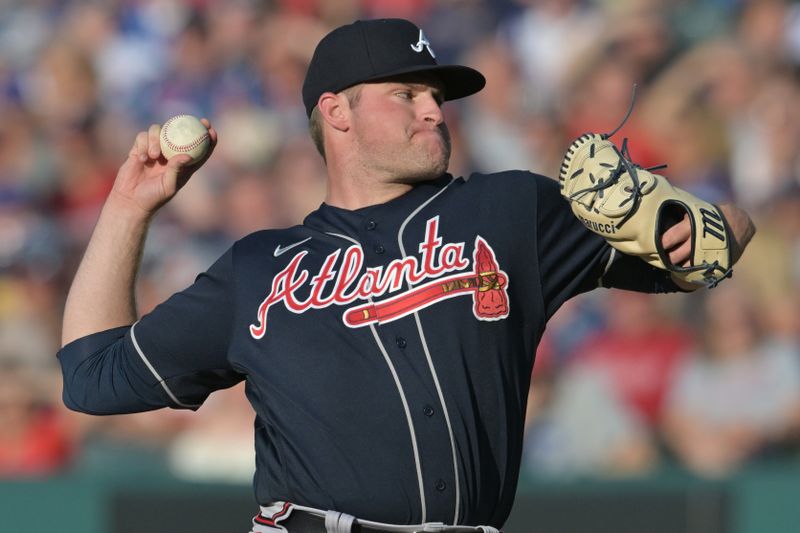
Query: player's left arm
{"points": [[677, 240], [641, 214]]}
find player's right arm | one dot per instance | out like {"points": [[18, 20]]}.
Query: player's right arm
{"points": [[102, 293], [175, 355]]}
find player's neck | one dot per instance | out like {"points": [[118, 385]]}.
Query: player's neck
{"points": [[353, 184], [355, 193]]}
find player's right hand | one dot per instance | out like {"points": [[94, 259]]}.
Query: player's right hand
{"points": [[147, 180]]}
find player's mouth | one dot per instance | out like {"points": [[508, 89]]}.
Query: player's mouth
{"points": [[438, 133], [426, 132]]}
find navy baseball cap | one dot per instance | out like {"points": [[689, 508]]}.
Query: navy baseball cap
{"points": [[369, 50]]}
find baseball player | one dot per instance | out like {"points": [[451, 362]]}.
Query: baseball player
{"points": [[386, 342]]}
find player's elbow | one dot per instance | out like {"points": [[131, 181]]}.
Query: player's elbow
{"points": [[75, 402], [80, 396], [100, 378], [91, 394]]}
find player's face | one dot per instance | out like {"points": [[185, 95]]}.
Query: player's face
{"points": [[400, 130]]}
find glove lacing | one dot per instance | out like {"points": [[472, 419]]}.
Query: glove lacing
{"points": [[634, 191], [625, 165]]}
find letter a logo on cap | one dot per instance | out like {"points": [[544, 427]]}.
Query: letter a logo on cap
{"points": [[423, 41]]}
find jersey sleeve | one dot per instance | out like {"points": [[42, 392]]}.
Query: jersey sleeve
{"points": [[175, 356], [574, 259]]}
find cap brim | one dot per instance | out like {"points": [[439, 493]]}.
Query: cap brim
{"points": [[459, 81]]}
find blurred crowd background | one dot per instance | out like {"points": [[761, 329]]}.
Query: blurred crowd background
{"points": [[624, 383]]}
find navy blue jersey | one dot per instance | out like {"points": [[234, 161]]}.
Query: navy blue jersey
{"points": [[387, 351]]}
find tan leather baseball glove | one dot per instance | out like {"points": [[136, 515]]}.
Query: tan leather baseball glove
{"points": [[632, 207]]}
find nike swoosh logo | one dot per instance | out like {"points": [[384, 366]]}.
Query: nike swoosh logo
{"points": [[283, 249]]}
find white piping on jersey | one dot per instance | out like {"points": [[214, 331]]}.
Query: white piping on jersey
{"points": [[408, 418], [444, 410], [155, 372], [414, 445], [611, 257], [414, 213], [430, 359]]}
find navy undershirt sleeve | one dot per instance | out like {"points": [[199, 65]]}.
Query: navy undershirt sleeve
{"points": [[175, 356], [633, 274]]}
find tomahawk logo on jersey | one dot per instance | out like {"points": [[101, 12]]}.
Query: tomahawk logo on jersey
{"points": [[346, 283]]}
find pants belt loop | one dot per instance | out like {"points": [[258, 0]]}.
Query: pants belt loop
{"points": [[338, 522]]}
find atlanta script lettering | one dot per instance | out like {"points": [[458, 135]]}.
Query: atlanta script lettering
{"points": [[330, 286]]}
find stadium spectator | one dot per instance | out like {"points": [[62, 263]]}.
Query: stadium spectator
{"points": [[738, 397]]}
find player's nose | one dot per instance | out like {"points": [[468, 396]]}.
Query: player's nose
{"points": [[430, 108]]}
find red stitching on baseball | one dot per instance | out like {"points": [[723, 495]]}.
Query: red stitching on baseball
{"points": [[181, 147]]}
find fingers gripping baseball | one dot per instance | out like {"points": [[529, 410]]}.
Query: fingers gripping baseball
{"points": [[148, 180]]}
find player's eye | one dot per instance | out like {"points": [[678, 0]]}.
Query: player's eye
{"points": [[407, 95]]}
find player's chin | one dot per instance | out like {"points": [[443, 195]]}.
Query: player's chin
{"points": [[441, 161], [438, 155], [428, 160], [428, 170]]}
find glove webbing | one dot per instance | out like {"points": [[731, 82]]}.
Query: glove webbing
{"points": [[625, 165]]}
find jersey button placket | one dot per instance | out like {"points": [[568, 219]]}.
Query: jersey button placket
{"points": [[379, 249], [401, 342], [441, 486]]}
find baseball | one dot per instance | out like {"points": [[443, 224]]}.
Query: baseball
{"points": [[184, 134]]}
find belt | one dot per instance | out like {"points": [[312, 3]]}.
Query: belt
{"points": [[305, 522], [308, 520]]}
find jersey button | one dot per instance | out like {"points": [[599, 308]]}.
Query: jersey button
{"points": [[401, 342], [379, 249], [371, 225], [428, 410], [441, 485]]}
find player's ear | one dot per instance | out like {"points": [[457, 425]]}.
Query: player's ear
{"points": [[334, 109]]}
